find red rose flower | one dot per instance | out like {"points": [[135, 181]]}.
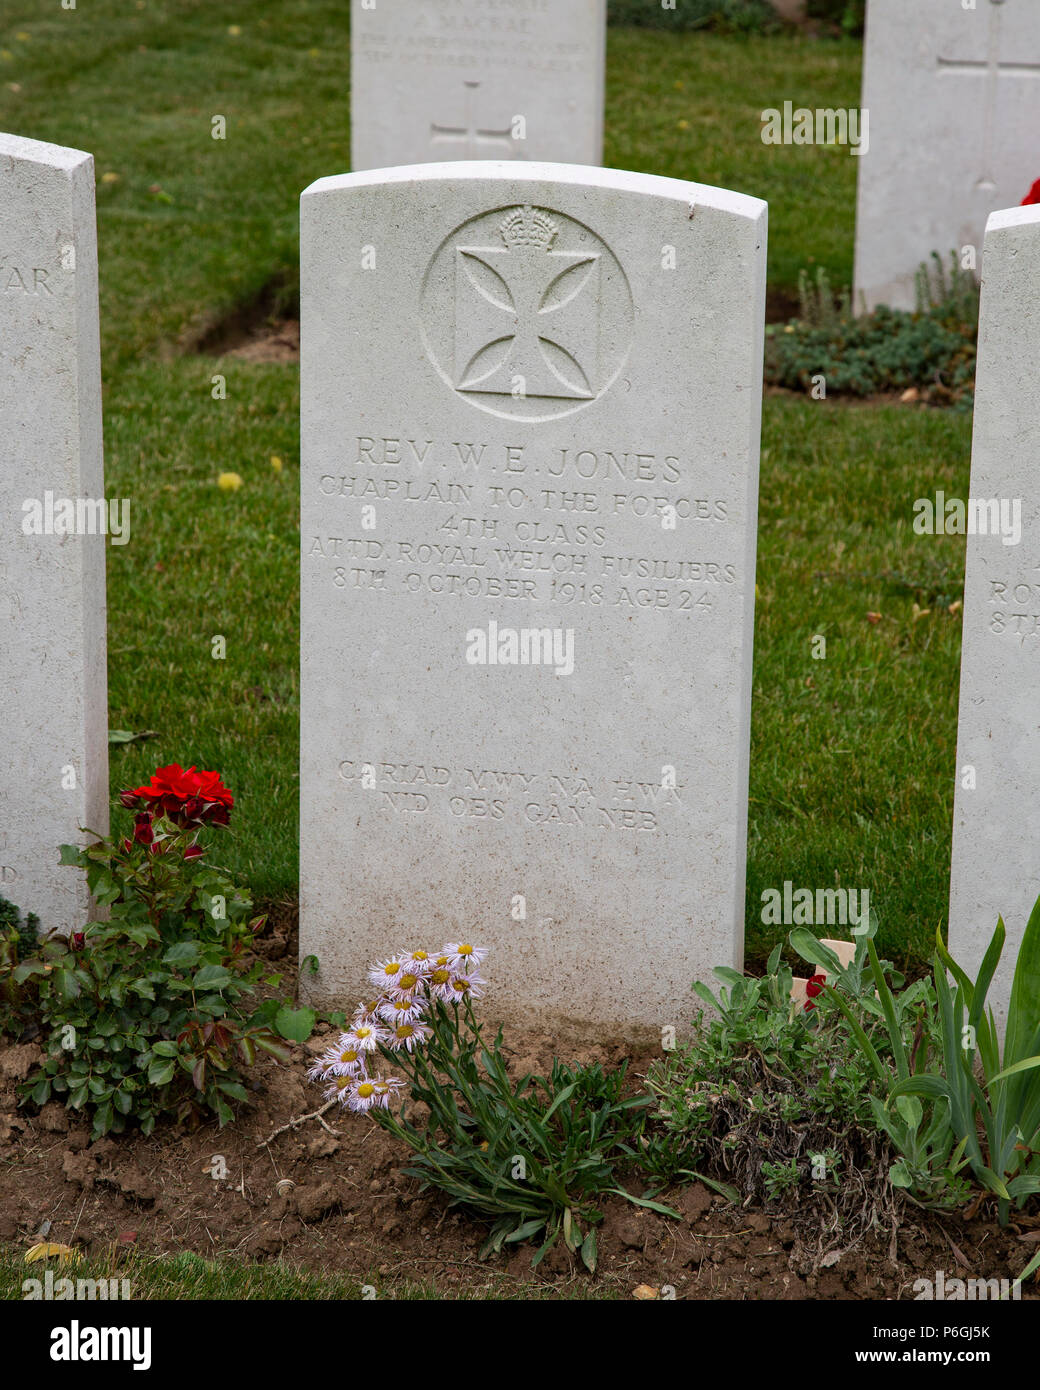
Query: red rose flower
{"points": [[814, 987], [185, 796], [143, 828], [1033, 196], [193, 852], [78, 940]]}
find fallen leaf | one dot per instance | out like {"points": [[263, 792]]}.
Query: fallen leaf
{"points": [[47, 1249], [645, 1291]]}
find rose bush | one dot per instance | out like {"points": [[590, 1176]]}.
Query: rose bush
{"points": [[148, 1013]]}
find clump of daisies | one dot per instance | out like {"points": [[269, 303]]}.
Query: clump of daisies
{"points": [[533, 1155], [418, 1002]]}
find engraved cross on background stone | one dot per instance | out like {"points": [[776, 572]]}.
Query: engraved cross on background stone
{"points": [[993, 70], [476, 139]]}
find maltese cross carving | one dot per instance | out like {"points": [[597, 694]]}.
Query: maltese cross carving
{"points": [[526, 315]]}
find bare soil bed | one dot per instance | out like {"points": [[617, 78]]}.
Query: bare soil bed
{"points": [[340, 1202]]}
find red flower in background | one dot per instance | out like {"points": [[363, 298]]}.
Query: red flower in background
{"points": [[814, 987], [184, 795], [1033, 196]]}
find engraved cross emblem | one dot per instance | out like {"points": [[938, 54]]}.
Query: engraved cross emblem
{"points": [[993, 71], [473, 137], [526, 316]]}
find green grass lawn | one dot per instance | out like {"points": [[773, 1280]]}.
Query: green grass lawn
{"points": [[188, 1278], [852, 756]]}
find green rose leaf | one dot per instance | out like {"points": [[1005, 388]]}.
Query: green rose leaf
{"points": [[212, 977], [295, 1025]]}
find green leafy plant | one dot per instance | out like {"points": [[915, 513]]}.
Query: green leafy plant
{"points": [[993, 1099], [533, 1155], [780, 1178], [146, 1013], [757, 1096], [895, 1031], [19, 938]]}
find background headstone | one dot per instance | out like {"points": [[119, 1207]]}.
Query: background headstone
{"points": [[436, 80], [53, 684], [531, 398], [954, 103], [996, 834]]}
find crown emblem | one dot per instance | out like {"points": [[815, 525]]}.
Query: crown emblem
{"points": [[528, 226]]}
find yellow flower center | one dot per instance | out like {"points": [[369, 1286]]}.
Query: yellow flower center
{"points": [[461, 984], [420, 955], [366, 1089], [408, 981], [392, 967], [465, 950], [405, 1031], [348, 1056], [441, 977], [364, 1032]]}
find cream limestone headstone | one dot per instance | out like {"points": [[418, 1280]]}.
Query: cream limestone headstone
{"points": [[996, 833], [54, 769], [436, 80], [953, 96], [530, 432]]}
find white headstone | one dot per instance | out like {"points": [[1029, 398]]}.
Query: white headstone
{"points": [[531, 403], [953, 96], [54, 769], [436, 80], [996, 834]]}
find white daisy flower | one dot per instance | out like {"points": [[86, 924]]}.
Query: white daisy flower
{"points": [[462, 986], [338, 1060], [367, 1011], [364, 1037], [386, 1086], [463, 956], [407, 1009], [418, 962], [385, 972], [410, 1036], [409, 982], [340, 1088], [438, 981], [362, 1096]]}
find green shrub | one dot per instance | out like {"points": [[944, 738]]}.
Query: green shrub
{"points": [[848, 15], [933, 348], [729, 16]]}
